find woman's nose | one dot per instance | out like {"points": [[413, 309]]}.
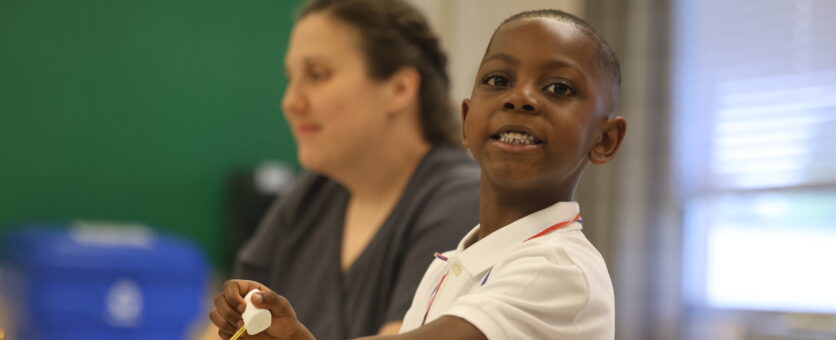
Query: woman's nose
{"points": [[293, 101]]}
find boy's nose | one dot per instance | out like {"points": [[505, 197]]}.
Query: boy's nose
{"points": [[523, 107], [521, 99]]}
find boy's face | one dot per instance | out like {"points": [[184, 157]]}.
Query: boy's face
{"points": [[538, 108]]}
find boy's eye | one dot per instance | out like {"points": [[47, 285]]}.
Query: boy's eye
{"points": [[496, 81], [560, 89]]}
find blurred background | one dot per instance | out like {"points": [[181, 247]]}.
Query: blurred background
{"points": [[717, 218]]}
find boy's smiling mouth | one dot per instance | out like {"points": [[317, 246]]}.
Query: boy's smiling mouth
{"points": [[511, 136], [517, 138]]}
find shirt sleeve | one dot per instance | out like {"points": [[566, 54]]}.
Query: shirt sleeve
{"points": [[449, 214], [541, 292], [253, 261]]}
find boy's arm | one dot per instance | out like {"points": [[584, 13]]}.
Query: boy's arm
{"points": [[443, 328], [285, 325]]}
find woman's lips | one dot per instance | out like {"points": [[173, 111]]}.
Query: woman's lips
{"points": [[307, 129]]}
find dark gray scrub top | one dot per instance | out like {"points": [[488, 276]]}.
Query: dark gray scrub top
{"points": [[296, 249]]}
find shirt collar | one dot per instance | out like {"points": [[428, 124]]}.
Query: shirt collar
{"points": [[486, 252]]}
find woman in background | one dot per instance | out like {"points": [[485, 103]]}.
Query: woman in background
{"points": [[389, 185]]}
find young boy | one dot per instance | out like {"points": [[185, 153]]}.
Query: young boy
{"points": [[541, 110]]}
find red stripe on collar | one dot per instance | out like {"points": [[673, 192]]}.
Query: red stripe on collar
{"points": [[555, 227]]}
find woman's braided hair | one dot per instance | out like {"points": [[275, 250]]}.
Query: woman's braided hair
{"points": [[395, 35]]}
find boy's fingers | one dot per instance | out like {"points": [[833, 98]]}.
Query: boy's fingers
{"points": [[225, 311], [275, 303], [284, 322], [233, 294], [222, 324], [224, 335]]}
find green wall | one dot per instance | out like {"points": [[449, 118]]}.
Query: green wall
{"points": [[138, 110]]}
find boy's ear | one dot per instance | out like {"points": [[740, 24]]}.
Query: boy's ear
{"points": [[402, 88], [610, 138], [465, 110]]}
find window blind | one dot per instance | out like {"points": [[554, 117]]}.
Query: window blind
{"points": [[756, 105], [773, 92]]}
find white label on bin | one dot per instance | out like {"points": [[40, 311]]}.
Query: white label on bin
{"points": [[124, 304], [113, 235]]}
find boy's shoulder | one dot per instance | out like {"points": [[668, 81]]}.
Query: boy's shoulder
{"points": [[557, 277], [567, 249], [566, 245], [558, 280], [532, 242]]}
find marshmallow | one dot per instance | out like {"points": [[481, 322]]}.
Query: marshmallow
{"points": [[256, 320]]}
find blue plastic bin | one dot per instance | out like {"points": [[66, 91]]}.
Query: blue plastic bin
{"points": [[96, 283]]}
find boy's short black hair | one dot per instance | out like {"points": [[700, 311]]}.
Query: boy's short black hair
{"points": [[605, 60]]}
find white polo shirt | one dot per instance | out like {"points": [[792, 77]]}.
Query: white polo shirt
{"points": [[536, 278]]}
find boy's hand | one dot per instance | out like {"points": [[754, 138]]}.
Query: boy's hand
{"points": [[230, 304]]}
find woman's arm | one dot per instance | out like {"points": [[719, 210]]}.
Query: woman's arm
{"points": [[391, 327]]}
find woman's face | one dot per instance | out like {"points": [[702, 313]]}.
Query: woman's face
{"points": [[334, 109]]}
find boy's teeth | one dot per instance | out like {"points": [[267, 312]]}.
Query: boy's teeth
{"points": [[516, 138]]}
